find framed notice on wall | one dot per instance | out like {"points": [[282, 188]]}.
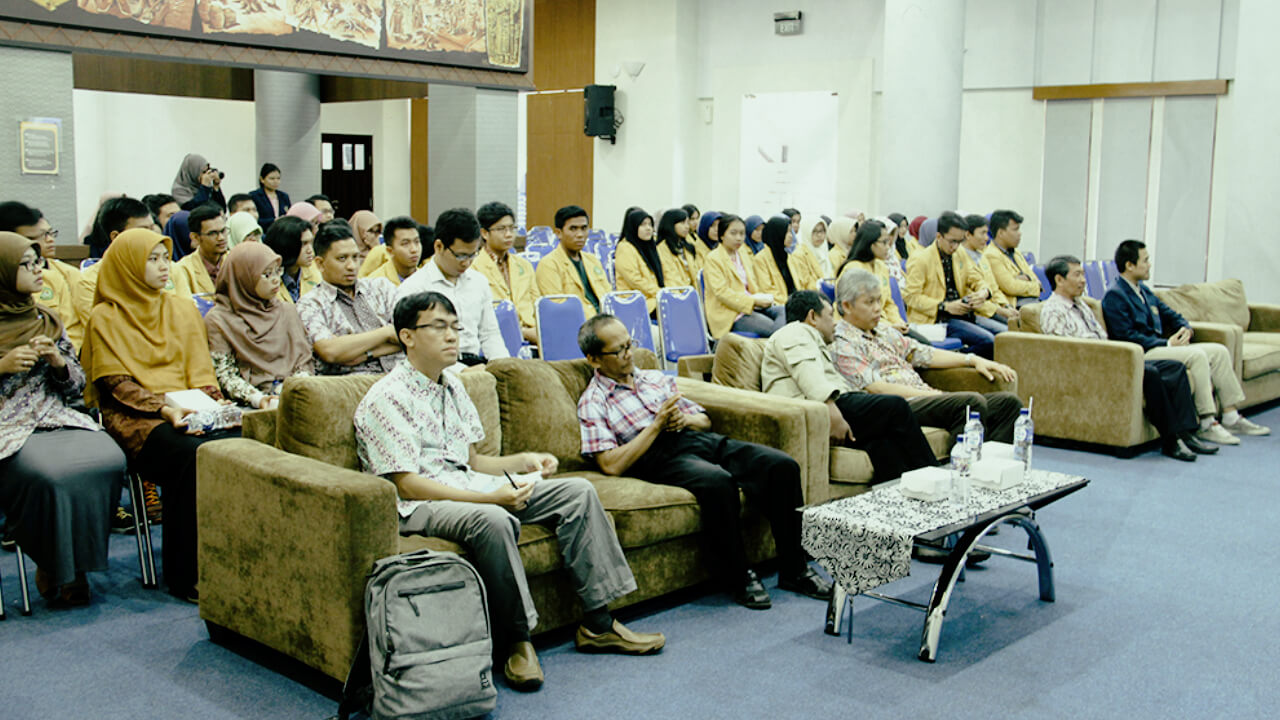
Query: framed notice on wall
{"points": [[38, 147], [483, 34]]}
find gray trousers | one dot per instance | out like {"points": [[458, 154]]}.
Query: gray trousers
{"points": [[998, 410], [490, 533]]}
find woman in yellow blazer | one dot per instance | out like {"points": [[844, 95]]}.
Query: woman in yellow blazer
{"points": [[778, 272], [733, 298], [808, 265], [291, 238], [679, 266], [870, 252], [708, 236], [636, 264], [840, 235]]}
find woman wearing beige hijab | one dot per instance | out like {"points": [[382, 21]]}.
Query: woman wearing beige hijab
{"points": [[140, 344], [255, 339], [59, 476], [840, 235], [368, 230]]}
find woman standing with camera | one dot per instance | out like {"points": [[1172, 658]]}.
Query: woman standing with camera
{"points": [[198, 183]]}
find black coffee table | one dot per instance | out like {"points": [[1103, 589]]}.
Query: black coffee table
{"points": [[865, 542]]}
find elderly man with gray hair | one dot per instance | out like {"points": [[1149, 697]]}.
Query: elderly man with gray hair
{"points": [[874, 357]]}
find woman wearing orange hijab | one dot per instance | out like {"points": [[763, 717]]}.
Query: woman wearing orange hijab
{"points": [[141, 343], [59, 478], [256, 339]]}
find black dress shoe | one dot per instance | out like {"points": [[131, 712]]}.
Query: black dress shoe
{"points": [[1178, 451], [807, 583], [752, 594], [1192, 443]]}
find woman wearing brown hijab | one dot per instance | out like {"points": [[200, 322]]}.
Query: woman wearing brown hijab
{"points": [[141, 343], [59, 477], [255, 339], [368, 228]]}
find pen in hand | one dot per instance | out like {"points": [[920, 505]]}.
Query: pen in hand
{"points": [[513, 482]]}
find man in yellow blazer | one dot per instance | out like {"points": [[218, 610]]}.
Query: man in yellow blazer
{"points": [[510, 276], [569, 271], [998, 306], [733, 298], [404, 250], [943, 288], [59, 277], [114, 217], [194, 274], [1014, 276]]}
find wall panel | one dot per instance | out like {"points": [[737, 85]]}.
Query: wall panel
{"points": [[1187, 39], [1124, 40], [1064, 42], [1186, 170], [999, 44], [1065, 183], [1126, 150], [559, 156]]}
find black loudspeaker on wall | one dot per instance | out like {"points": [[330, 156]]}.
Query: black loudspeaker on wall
{"points": [[598, 113]]}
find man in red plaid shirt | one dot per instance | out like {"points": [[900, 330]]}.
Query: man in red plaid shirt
{"points": [[636, 422]]}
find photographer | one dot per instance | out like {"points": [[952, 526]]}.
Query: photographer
{"points": [[198, 183]]}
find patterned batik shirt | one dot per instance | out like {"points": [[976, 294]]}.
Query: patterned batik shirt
{"points": [[611, 414], [1069, 318], [881, 355], [410, 423], [327, 312]]}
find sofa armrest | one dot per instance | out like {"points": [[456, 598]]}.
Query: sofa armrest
{"points": [[799, 428], [1224, 334], [1085, 390], [259, 425], [696, 367], [1264, 318], [285, 544], [966, 380]]}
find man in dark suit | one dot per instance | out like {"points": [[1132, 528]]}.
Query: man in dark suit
{"points": [[1134, 314]]}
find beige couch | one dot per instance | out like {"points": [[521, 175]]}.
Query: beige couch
{"points": [[737, 362], [289, 527], [1255, 342]]}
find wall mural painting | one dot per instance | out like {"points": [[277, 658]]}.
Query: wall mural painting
{"points": [[487, 34]]}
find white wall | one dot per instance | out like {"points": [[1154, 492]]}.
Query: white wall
{"points": [[1001, 149]]}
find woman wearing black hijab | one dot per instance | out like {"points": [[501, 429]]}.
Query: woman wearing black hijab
{"points": [[774, 267], [636, 262]]}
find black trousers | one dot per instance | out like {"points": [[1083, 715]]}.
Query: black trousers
{"points": [[713, 468], [168, 459], [998, 410], [1170, 406], [886, 430]]}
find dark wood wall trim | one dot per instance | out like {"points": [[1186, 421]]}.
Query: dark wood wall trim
{"points": [[1121, 90], [346, 89], [160, 77]]}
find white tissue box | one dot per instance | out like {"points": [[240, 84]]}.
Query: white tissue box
{"points": [[928, 483], [190, 400], [997, 450], [995, 473]]}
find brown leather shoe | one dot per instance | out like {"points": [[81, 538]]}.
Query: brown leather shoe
{"points": [[522, 670], [619, 640]]}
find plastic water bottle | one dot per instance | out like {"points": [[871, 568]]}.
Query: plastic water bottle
{"points": [[974, 434], [960, 472], [1024, 433]]}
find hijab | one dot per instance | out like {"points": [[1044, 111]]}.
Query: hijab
{"points": [[187, 182], [806, 230], [704, 227], [753, 222], [648, 250], [928, 231], [361, 221], [178, 230], [775, 238], [21, 318], [265, 334], [242, 225], [153, 336], [853, 215], [304, 210], [900, 242], [839, 233], [914, 226]]}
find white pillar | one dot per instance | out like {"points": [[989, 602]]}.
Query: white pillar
{"points": [[923, 74], [471, 133], [287, 126]]}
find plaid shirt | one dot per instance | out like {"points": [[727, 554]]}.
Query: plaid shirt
{"points": [[326, 312], [881, 355], [612, 414]]}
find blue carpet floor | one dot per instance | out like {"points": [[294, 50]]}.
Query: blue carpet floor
{"points": [[1166, 582]]}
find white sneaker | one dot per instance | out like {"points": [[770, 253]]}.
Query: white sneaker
{"points": [[1216, 434], [1244, 426]]}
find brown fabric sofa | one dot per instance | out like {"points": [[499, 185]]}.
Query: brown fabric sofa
{"points": [[1255, 347], [1087, 391], [289, 527], [737, 362]]}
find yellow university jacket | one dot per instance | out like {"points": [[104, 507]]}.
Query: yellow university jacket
{"points": [[1007, 273], [557, 276], [983, 267], [770, 277], [677, 271], [189, 276], [377, 257], [523, 292], [837, 255], [633, 274], [888, 308], [57, 294], [700, 252], [926, 286], [726, 299], [805, 269], [308, 279]]}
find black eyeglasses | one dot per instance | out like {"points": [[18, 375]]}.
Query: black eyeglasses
{"points": [[620, 351], [462, 257], [439, 326], [31, 265]]}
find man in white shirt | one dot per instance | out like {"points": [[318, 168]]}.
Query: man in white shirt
{"points": [[457, 244]]}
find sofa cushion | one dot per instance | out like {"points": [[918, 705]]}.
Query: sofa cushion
{"points": [[939, 441], [1262, 338], [850, 467], [738, 362], [1221, 302], [315, 417], [538, 405], [1260, 358]]}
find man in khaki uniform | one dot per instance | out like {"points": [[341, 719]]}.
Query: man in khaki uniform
{"points": [[798, 365]]}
